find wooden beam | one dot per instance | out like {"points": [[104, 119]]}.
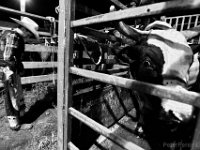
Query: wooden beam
{"points": [[146, 10]]}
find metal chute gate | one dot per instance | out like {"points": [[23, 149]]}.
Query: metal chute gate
{"points": [[66, 69]]}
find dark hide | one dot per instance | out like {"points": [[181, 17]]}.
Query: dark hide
{"points": [[162, 56], [160, 128]]}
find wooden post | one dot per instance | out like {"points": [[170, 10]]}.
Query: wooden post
{"points": [[64, 95]]}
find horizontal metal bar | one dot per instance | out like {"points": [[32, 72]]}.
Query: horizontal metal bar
{"points": [[41, 65], [146, 10], [41, 78], [35, 79], [41, 33], [20, 13], [181, 95], [72, 146], [40, 48], [103, 130], [44, 33]]}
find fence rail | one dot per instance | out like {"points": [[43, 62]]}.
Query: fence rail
{"points": [[181, 95], [103, 130]]}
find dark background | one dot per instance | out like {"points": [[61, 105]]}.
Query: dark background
{"points": [[47, 8], [38, 7]]}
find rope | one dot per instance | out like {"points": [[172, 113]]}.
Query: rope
{"points": [[91, 42]]}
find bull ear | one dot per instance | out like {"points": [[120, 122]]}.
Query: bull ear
{"points": [[191, 33]]}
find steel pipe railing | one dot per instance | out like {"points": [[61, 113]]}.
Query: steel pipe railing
{"points": [[17, 12], [146, 10], [181, 95]]}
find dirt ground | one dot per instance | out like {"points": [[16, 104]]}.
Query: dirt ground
{"points": [[41, 113]]}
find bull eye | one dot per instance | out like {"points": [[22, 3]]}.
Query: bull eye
{"points": [[147, 63]]}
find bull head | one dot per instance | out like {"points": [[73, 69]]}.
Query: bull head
{"points": [[161, 54]]}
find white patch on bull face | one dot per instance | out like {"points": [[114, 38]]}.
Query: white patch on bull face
{"points": [[181, 110], [194, 70], [177, 53]]}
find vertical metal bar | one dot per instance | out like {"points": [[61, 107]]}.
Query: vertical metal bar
{"points": [[196, 20], [170, 21], [196, 138], [64, 78], [196, 23], [183, 23], [199, 40], [69, 38], [189, 22], [176, 24], [22, 6], [60, 82]]}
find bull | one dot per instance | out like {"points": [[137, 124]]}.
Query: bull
{"points": [[163, 56]]}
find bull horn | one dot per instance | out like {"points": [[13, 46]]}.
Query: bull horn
{"points": [[128, 31], [131, 32], [191, 33]]}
